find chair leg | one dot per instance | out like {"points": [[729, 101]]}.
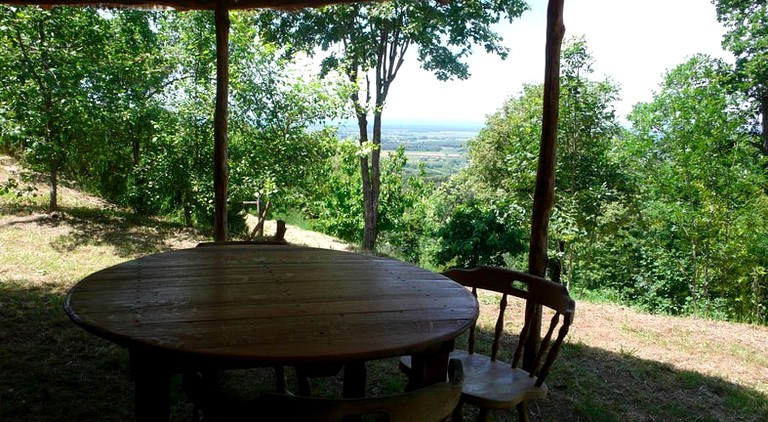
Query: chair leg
{"points": [[305, 387], [522, 411], [281, 381], [304, 373], [458, 412], [483, 415], [198, 387], [355, 377], [303, 382]]}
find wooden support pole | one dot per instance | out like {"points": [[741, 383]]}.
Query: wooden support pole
{"points": [[220, 164], [544, 195]]}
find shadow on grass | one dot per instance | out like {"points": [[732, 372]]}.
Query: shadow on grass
{"points": [[129, 234], [52, 370], [597, 385]]}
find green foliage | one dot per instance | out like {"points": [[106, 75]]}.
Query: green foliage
{"points": [[337, 207], [403, 218], [669, 216], [373, 38], [78, 92], [504, 156], [444, 34], [46, 70], [19, 191], [124, 106], [701, 179], [479, 234], [746, 37]]}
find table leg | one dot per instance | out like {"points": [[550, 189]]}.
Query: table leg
{"points": [[152, 388], [429, 368], [354, 379]]}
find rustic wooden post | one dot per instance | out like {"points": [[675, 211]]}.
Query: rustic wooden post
{"points": [[545, 177], [220, 165], [261, 215], [280, 230]]}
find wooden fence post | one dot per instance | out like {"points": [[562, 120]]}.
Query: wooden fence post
{"points": [[545, 176]]}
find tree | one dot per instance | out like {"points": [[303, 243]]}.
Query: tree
{"points": [[129, 89], [337, 208], [81, 88], [403, 217], [375, 37], [277, 119], [588, 180], [46, 84], [703, 203], [275, 147], [746, 22], [173, 175], [477, 234], [503, 157]]}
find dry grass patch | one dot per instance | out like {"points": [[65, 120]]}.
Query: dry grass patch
{"points": [[737, 353]]}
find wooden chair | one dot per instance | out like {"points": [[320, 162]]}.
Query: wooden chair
{"points": [[494, 384], [429, 404], [277, 239]]}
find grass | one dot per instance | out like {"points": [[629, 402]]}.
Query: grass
{"points": [[618, 364], [294, 218]]}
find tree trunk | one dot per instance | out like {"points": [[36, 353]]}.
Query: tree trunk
{"points": [[187, 208], [221, 167], [136, 144], [764, 111], [370, 204], [371, 231], [390, 57], [695, 294], [53, 205], [759, 311], [50, 128], [369, 171], [139, 203]]}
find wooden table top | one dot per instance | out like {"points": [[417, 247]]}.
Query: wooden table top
{"points": [[272, 304]]}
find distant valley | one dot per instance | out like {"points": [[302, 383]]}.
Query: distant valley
{"points": [[440, 146]]}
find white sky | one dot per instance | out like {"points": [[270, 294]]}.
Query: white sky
{"points": [[634, 42]]}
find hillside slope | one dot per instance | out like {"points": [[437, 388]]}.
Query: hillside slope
{"points": [[619, 364]]}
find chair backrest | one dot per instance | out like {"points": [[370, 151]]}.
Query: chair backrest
{"points": [[266, 241], [277, 239], [429, 404], [531, 288]]}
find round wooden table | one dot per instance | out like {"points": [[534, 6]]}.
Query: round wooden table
{"points": [[247, 305]]}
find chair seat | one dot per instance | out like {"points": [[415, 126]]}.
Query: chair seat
{"points": [[491, 384]]}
